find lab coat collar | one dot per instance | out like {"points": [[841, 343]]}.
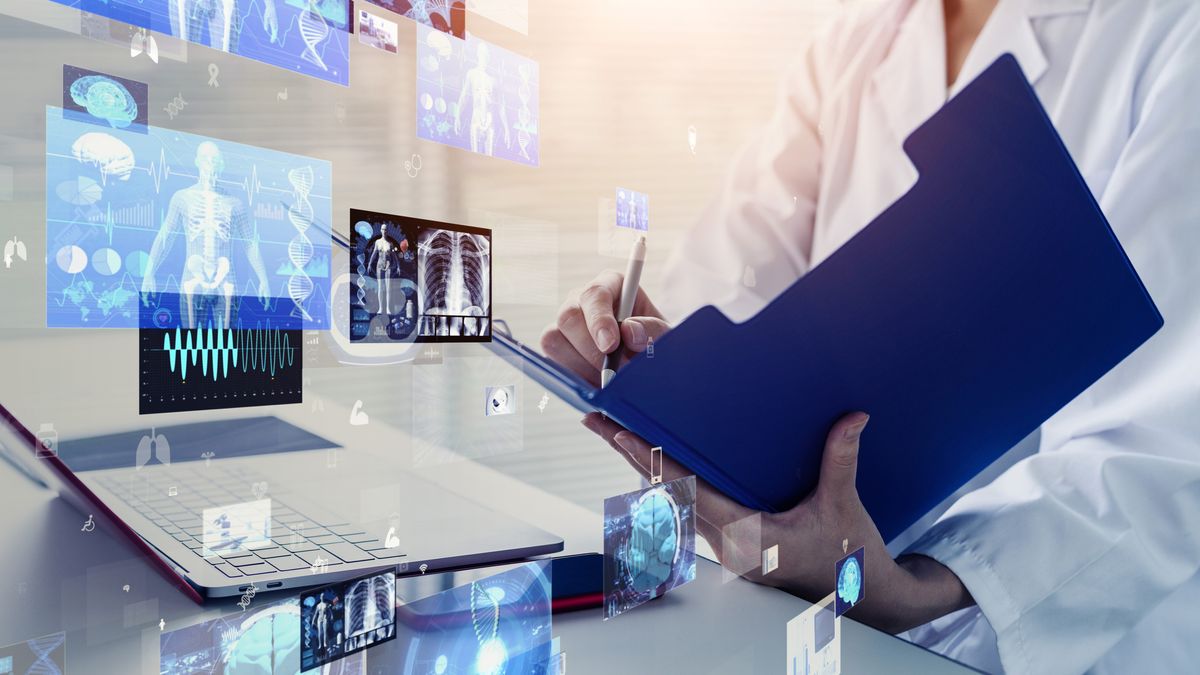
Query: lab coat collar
{"points": [[909, 82]]}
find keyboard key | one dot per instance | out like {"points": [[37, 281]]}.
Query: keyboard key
{"points": [[257, 568], [347, 552], [228, 570], [310, 557], [346, 530], [272, 552], [288, 564], [388, 553], [360, 538], [243, 562], [302, 546], [325, 539]]}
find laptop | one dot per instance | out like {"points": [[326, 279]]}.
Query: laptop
{"points": [[273, 497]]}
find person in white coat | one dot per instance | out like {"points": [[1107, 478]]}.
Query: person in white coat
{"points": [[1084, 555]]}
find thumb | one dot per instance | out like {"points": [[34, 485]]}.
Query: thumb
{"points": [[637, 331], [839, 464]]}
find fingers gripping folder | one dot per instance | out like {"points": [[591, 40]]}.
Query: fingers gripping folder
{"points": [[961, 318]]}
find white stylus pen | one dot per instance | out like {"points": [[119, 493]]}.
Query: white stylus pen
{"points": [[629, 291]]}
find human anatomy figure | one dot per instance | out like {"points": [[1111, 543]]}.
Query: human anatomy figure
{"points": [[190, 17], [481, 87], [382, 259], [321, 623], [209, 219]]}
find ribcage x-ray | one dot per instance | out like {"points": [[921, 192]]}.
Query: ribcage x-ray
{"points": [[454, 279]]}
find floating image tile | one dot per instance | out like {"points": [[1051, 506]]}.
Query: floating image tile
{"points": [[477, 96], [383, 291], [850, 575], [447, 16], [814, 641], [260, 641], [302, 36], [346, 618], [378, 32], [234, 230], [105, 99], [633, 210], [649, 543], [501, 400], [454, 283], [46, 655], [498, 624], [236, 527]]}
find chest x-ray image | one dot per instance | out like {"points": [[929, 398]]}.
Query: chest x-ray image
{"points": [[454, 280]]}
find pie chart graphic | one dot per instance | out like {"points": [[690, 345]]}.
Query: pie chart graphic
{"points": [[137, 262], [106, 261], [82, 191], [71, 259]]}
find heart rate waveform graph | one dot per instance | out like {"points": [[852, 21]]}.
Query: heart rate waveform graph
{"points": [[215, 367]]}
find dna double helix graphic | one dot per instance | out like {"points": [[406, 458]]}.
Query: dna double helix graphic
{"points": [[313, 31], [300, 248]]}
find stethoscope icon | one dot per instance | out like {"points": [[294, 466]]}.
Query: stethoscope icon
{"points": [[413, 166]]}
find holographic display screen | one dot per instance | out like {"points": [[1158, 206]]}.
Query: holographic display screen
{"points": [[476, 96], [302, 37], [133, 217], [418, 280], [649, 543]]}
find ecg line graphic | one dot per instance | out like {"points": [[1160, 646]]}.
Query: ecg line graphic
{"points": [[267, 350]]}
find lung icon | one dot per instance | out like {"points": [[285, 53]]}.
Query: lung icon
{"points": [[156, 444]]}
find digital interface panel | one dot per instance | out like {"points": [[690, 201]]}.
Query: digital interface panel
{"points": [[418, 280], [476, 96], [304, 37], [649, 543], [105, 100], [166, 212], [212, 366], [378, 32], [633, 210], [447, 16], [345, 618], [499, 624], [814, 641], [850, 577], [258, 641]]}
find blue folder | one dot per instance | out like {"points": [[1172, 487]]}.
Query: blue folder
{"points": [[961, 318]]}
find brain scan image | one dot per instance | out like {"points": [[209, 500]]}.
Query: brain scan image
{"points": [[261, 641], [105, 100], [850, 582], [496, 625], [649, 544]]}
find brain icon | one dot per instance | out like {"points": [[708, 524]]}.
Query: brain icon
{"points": [[653, 541], [106, 99], [107, 153]]}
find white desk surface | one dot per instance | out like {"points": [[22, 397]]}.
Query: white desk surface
{"points": [[55, 577]]}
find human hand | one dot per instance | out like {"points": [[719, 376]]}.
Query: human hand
{"points": [[586, 329], [901, 594]]}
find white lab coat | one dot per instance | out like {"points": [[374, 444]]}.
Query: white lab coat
{"points": [[1083, 556]]}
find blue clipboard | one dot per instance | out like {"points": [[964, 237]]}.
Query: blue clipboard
{"points": [[961, 318]]}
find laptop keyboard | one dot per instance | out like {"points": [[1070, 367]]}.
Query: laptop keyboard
{"points": [[297, 541]]}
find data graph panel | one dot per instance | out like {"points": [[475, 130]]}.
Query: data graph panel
{"points": [[303, 37], [136, 214], [214, 367]]}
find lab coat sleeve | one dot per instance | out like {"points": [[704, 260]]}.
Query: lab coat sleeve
{"points": [[1066, 551], [754, 240]]}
